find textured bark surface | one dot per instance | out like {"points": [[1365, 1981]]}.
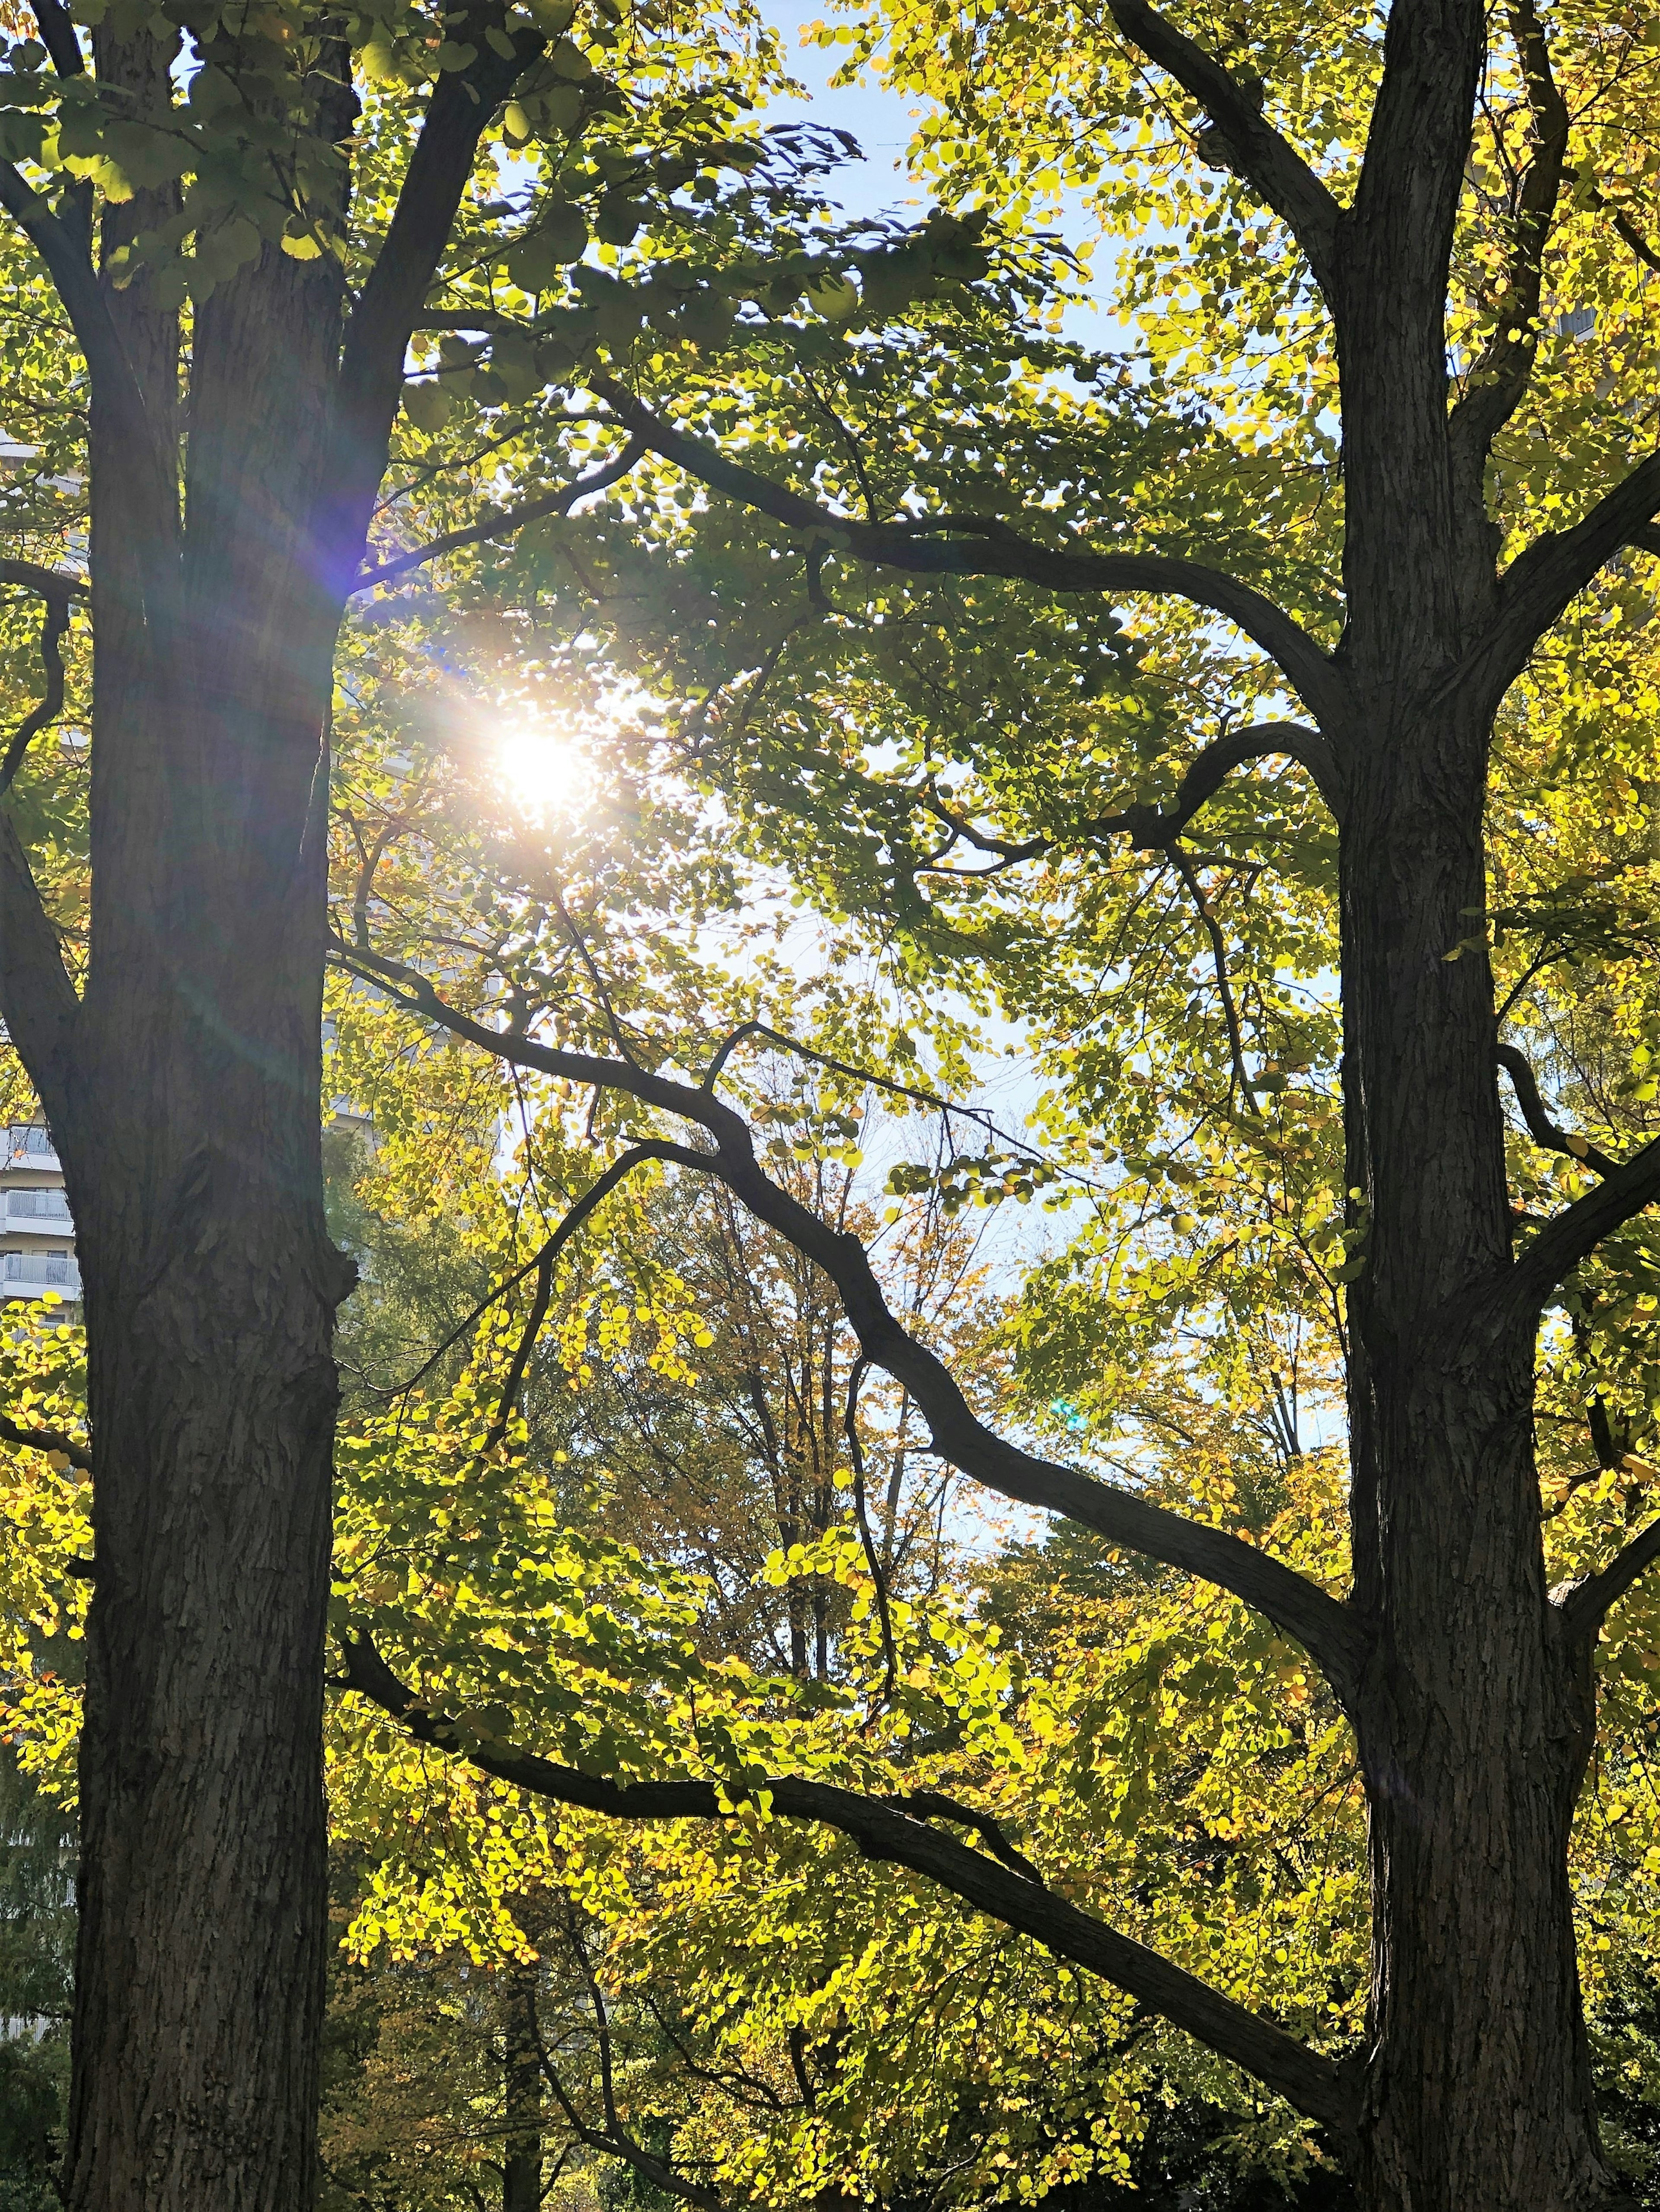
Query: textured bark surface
{"points": [[194, 1161], [184, 1094], [521, 2172]]}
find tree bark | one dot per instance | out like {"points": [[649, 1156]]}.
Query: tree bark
{"points": [[521, 2181], [1474, 1717], [192, 1149]]}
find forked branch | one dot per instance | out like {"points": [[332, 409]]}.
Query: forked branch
{"points": [[1321, 1624], [1312, 2084]]}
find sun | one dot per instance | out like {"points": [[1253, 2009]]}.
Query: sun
{"points": [[543, 769]]}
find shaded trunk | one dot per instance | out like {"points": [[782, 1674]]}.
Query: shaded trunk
{"points": [[521, 2185], [193, 1158], [1475, 1724]]}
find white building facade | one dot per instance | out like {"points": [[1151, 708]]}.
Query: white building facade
{"points": [[37, 1234]]}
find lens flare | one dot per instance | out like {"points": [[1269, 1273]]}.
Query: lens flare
{"points": [[542, 771]]}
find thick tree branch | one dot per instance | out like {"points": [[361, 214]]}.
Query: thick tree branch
{"points": [[972, 545], [53, 623], [1322, 1625], [1541, 582], [1499, 376], [36, 1000], [391, 300], [1417, 144], [1572, 1234], [115, 387], [1541, 1127], [505, 520], [1151, 831], [1585, 1605], [59, 38], [1314, 2085], [1239, 139]]}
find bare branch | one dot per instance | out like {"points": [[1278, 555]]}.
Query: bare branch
{"points": [[861, 1512], [1218, 948], [1584, 1605], [505, 520], [46, 1440], [1541, 1127], [1324, 1627], [971, 546], [1238, 138], [601, 1188], [1313, 2084]]}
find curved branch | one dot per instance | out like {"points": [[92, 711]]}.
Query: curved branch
{"points": [[1541, 1127], [1148, 827], [1321, 1624], [1151, 831], [53, 623], [971, 546], [1314, 2085], [1239, 139], [506, 521], [1584, 1605], [38, 1002]]}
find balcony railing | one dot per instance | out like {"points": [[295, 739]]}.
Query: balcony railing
{"points": [[46, 1206], [28, 1145], [27, 1274]]}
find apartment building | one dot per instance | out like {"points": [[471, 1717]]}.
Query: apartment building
{"points": [[37, 1235]]}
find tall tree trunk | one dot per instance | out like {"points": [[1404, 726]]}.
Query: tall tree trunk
{"points": [[1475, 1723], [521, 2184], [193, 1158]]}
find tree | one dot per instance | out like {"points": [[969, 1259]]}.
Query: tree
{"points": [[242, 245], [1422, 191], [1425, 192]]}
